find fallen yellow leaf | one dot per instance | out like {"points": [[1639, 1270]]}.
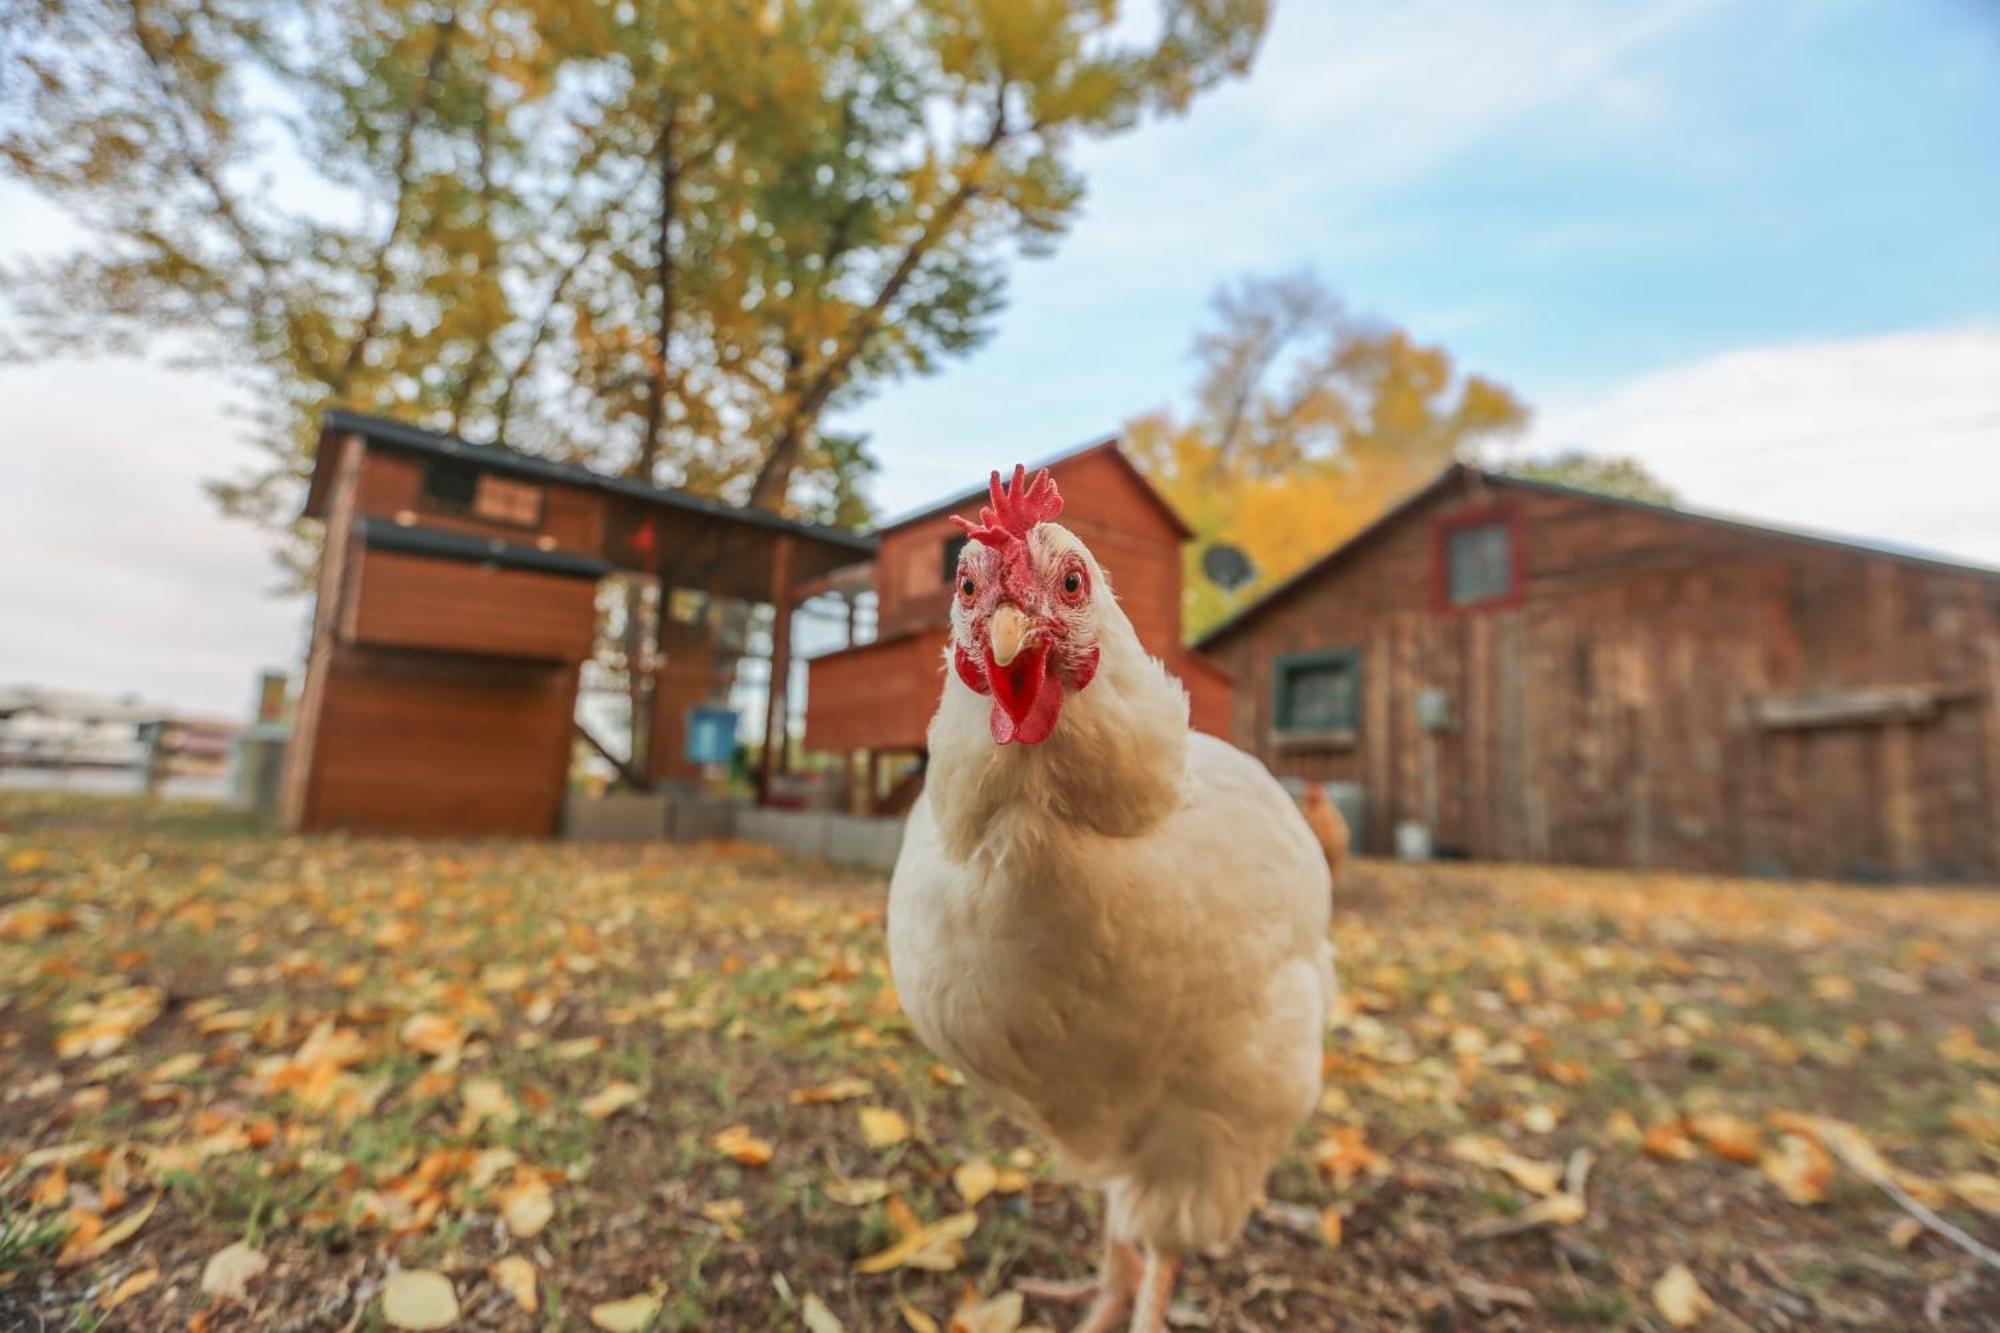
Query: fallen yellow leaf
{"points": [[1799, 1168], [839, 1090], [485, 1100], [516, 1276], [116, 1234], [631, 1315], [1001, 1314], [1556, 1210], [855, 1193], [528, 1207], [433, 1034], [1669, 1142], [738, 1143], [974, 1180], [936, 1248], [1729, 1137], [230, 1269], [610, 1100], [1679, 1297], [132, 1285], [419, 1299], [1977, 1188], [818, 1319], [1536, 1177], [882, 1127], [727, 1214]]}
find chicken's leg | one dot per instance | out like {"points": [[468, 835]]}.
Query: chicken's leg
{"points": [[1109, 1293], [1155, 1294]]}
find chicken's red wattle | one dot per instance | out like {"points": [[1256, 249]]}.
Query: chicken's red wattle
{"points": [[1026, 697]]}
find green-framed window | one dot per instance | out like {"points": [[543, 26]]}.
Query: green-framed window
{"points": [[1317, 694]]}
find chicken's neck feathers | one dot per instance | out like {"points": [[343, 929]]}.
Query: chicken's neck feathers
{"points": [[1115, 766]]}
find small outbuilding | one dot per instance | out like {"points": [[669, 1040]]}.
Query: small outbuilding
{"points": [[457, 601], [1513, 670], [874, 700]]}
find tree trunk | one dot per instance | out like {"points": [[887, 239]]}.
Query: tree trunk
{"points": [[775, 476], [638, 682], [381, 278]]}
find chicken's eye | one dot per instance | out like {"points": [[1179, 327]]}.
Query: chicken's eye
{"points": [[967, 586], [1073, 582]]}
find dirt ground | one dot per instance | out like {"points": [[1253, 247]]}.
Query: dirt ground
{"points": [[257, 1082]]}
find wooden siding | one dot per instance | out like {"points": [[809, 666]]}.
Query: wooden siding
{"points": [[392, 484], [409, 601], [441, 746], [1619, 712], [882, 695], [879, 696], [1136, 544], [1210, 692]]}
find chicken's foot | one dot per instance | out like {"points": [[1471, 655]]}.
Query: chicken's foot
{"points": [[1110, 1292]]}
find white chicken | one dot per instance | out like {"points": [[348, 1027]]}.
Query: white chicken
{"points": [[1115, 927]]}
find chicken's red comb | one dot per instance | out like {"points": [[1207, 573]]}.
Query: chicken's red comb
{"points": [[1015, 509]]}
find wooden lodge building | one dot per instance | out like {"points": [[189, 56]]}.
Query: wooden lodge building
{"points": [[1538, 673], [456, 603], [877, 698]]}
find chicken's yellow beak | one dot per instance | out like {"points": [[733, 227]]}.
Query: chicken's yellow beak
{"points": [[1009, 631]]}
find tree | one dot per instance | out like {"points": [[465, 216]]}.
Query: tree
{"points": [[1605, 474], [141, 120], [1306, 423], [665, 237]]}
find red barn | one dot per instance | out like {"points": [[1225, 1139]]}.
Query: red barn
{"points": [[878, 697], [1531, 672]]}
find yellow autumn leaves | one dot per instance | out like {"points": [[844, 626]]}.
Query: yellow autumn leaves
{"points": [[409, 1047]]}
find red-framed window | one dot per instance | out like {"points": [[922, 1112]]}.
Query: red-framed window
{"points": [[1478, 559]]}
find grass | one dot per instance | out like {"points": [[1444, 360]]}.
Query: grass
{"points": [[354, 1054]]}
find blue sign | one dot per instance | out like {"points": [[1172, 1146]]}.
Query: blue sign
{"points": [[711, 735]]}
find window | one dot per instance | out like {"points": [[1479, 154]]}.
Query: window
{"points": [[1480, 563], [953, 545], [1318, 693], [458, 487], [450, 483]]}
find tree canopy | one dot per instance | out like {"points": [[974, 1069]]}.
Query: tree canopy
{"points": [[660, 236], [1307, 422]]}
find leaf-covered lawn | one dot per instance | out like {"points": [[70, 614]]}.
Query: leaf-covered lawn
{"points": [[259, 1082]]}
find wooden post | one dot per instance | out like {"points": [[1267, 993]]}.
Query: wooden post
{"points": [[1991, 711], [781, 664], [1900, 797]]}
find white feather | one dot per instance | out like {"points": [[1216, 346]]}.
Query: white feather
{"points": [[1121, 935]]}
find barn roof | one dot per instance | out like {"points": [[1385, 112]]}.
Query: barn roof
{"points": [[389, 433], [735, 541], [438, 544], [1109, 446], [1461, 473]]}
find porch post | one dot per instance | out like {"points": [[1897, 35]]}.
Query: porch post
{"points": [[775, 740]]}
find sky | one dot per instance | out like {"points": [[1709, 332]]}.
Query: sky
{"points": [[1753, 243]]}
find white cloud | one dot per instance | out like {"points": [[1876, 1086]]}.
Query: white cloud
{"points": [[1348, 102], [116, 572], [1893, 439]]}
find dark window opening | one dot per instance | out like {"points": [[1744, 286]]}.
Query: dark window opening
{"points": [[451, 483], [1481, 567], [953, 547], [461, 488], [1318, 693]]}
